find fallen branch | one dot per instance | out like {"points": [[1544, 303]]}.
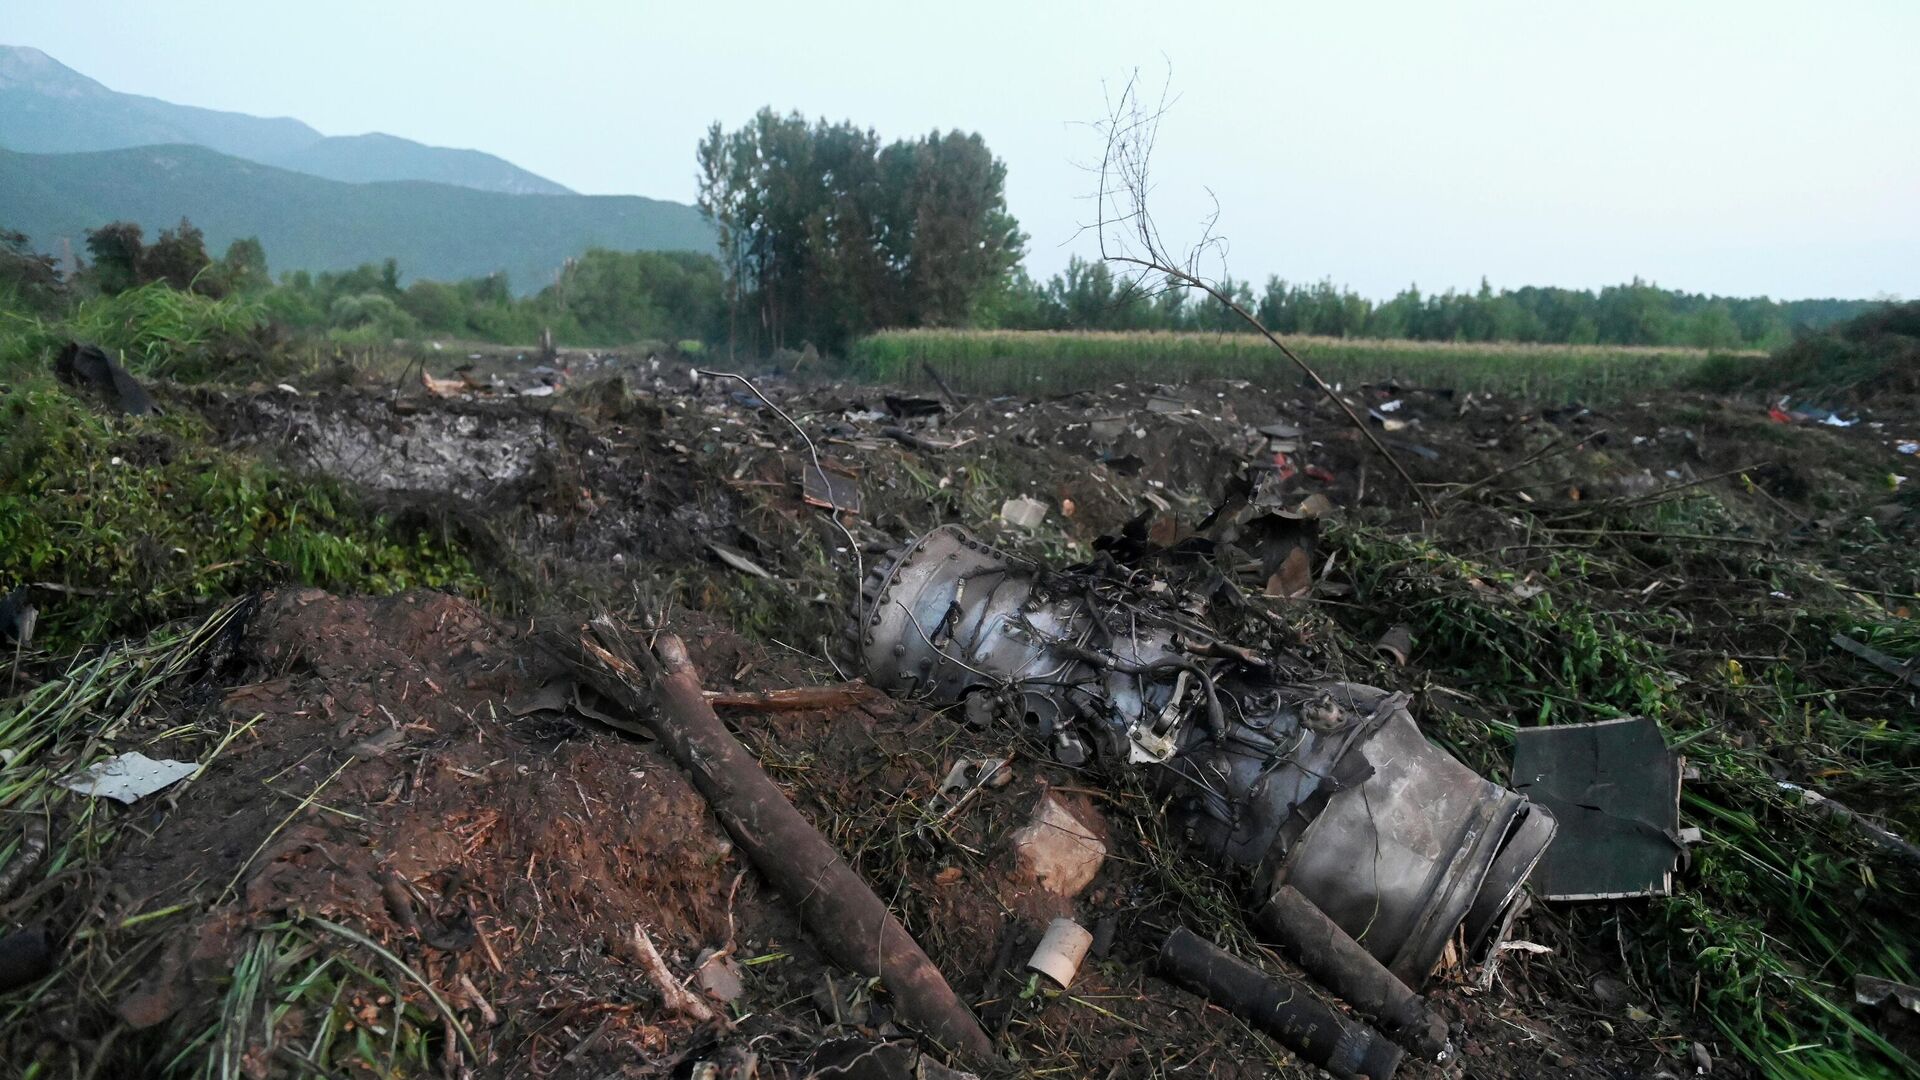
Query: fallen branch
{"points": [[918, 442], [674, 996], [852, 925], [797, 697], [945, 390], [1544, 452]]}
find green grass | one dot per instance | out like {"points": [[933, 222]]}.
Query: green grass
{"points": [[1781, 907], [1037, 361], [157, 331], [126, 522], [365, 1016]]}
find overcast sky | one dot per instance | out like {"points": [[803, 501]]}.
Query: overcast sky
{"points": [[1739, 147]]}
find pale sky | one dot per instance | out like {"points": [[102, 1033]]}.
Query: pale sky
{"points": [[1739, 147]]}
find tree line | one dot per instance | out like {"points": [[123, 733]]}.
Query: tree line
{"points": [[1091, 296], [599, 298], [826, 233]]}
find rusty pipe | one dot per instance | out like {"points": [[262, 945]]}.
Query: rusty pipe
{"points": [[1284, 1008]]}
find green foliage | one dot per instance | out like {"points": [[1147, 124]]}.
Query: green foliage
{"points": [[1056, 362], [1874, 352], [604, 298], [28, 280], [162, 332], [825, 233], [122, 259], [369, 317], [141, 520], [1090, 296], [617, 297], [243, 269]]}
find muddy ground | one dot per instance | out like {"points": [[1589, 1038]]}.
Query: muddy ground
{"points": [[415, 772]]}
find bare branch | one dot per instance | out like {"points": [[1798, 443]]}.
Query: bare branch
{"points": [[1129, 237]]}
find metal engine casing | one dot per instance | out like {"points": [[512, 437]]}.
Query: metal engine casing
{"points": [[1326, 786]]}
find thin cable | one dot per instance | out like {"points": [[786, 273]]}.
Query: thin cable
{"points": [[853, 546]]}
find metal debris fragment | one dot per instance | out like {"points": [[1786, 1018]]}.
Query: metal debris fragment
{"points": [[1615, 789], [129, 777]]}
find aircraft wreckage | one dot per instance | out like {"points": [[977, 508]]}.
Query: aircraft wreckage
{"points": [[1370, 847]]}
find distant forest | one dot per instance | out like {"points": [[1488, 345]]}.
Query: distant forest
{"points": [[614, 298], [1090, 296]]}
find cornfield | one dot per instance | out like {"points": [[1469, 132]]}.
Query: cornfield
{"points": [[1006, 361]]}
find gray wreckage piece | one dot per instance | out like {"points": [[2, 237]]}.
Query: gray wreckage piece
{"points": [[1328, 787]]}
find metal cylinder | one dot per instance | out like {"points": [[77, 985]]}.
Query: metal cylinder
{"points": [[1340, 964], [1283, 1008]]}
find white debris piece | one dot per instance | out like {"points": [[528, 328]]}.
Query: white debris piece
{"points": [[1023, 512], [129, 777]]}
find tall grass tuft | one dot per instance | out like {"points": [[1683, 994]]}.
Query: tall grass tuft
{"points": [[161, 332]]}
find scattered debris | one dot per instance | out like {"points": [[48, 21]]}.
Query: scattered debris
{"points": [[129, 777], [830, 487], [1614, 787], [1888, 840], [967, 778], [673, 995], [1396, 645], [861, 1058], [1342, 965], [1869, 990], [26, 957], [1295, 776], [852, 924], [912, 408], [719, 976], [26, 857], [796, 697]]}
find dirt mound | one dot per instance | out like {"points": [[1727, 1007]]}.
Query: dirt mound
{"points": [[387, 786]]}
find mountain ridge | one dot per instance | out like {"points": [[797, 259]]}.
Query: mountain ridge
{"points": [[47, 107], [434, 230]]}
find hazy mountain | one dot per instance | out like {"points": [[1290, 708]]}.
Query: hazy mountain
{"points": [[47, 107], [305, 222]]}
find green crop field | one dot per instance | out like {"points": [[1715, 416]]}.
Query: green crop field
{"points": [[999, 361]]}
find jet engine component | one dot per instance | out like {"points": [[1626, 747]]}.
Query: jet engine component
{"points": [[1284, 1008], [1325, 786]]}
